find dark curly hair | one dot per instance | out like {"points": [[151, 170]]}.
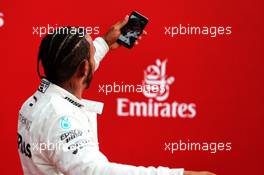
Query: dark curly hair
{"points": [[62, 52]]}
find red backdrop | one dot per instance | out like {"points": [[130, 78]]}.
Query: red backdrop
{"points": [[223, 76]]}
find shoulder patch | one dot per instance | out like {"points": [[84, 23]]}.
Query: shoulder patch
{"points": [[43, 86], [65, 123]]}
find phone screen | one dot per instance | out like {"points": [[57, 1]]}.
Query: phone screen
{"points": [[131, 31]]}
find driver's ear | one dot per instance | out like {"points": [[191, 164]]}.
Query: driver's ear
{"points": [[83, 68]]}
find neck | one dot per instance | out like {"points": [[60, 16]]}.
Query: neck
{"points": [[73, 88]]}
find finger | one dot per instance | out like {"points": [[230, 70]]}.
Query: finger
{"points": [[114, 46], [123, 22]]}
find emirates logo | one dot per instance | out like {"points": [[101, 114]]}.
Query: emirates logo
{"points": [[156, 82], [156, 87]]}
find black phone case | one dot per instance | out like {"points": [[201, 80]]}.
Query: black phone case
{"points": [[135, 25]]}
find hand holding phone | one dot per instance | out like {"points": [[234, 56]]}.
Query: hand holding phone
{"points": [[132, 30]]}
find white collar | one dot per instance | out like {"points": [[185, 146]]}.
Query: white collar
{"points": [[92, 106]]}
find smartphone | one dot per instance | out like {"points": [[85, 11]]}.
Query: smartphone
{"points": [[132, 30]]}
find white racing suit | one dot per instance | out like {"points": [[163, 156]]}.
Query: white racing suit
{"points": [[57, 134]]}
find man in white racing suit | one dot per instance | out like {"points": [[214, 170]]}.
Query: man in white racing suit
{"points": [[57, 129]]}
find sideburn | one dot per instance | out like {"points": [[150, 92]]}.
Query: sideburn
{"points": [[89, 76]]}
